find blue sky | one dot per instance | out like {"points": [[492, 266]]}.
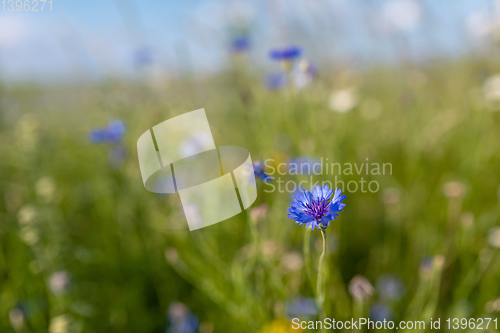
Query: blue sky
{"points": [[94, 39]]}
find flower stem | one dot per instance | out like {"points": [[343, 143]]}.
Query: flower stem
{"points": [[307, 257], [320, 283]]}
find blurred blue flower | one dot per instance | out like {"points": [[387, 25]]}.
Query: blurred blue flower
{"points": [[302, 165], [143, 56], [311, 69], [287, 53], [110, 134], [427, 264], [301, 307], [318, 208], [240, 45], [274, 81], [258, 168], [390, 287], [180, 319], [379, 312]]}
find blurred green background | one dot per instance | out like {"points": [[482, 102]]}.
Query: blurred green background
{"points": [[84, 247]]}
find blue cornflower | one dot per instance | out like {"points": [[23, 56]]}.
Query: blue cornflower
{"points": [[240, 45], [390, 287], [274, 81], [301, 307], [258, 169], [181, 320], [427, 263], [379, 312], [287, 53], [318, 208], [143, 56], [302, 165], [110, 134]]}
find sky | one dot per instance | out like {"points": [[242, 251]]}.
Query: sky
{"points": [[95, 39]]}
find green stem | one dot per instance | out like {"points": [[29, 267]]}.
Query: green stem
{"points": [[307, 257], [320, 288]]}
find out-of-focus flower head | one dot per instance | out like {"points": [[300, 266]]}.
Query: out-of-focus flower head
{"points": [[16, 317], [343, 100], [180, 319], [360, 288], [301, 79], [292, 262], [390, 287], [301, 307], [29, 235], [60, 324], [302, 165], [171, 255], [260, 172], [317, 208], [300, 76], [45, 189], [289, 53], [59, 282], [143, 56], [379, 312], [275, 81], [454, 190], [24, 311], [27, 215], [280, 326], [493, 306], [391, 196], [426, 265], [467, 219], [491, 92], [494, 237], [240, 45], [307, 67], [258, 213], [303, 74], [113, 133]]}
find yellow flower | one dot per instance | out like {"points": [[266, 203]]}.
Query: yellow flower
{"points": [[279, 326]]}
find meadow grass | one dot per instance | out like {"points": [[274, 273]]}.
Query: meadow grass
{"points": [[129, 254]]}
